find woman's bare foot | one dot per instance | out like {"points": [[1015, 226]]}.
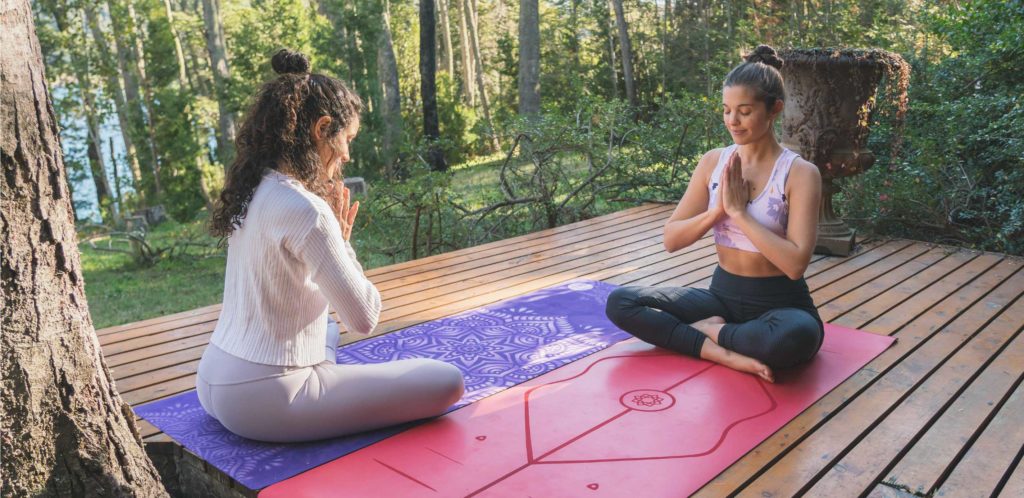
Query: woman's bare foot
{"points": [[710, 327], [713, 352]]}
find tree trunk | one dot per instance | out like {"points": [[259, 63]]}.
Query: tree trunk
{"points": [[117, 180], [66, 431], [215, 45], [183, 78], [387, 67], [613, 66], [446, 36], [126, 67], [428, 86], [93, 139], [474, 42], [665, 27], [106, 208], [529, 57], [132, 64], [139, 52], [114, 84], [627, 53], [468, 79]]}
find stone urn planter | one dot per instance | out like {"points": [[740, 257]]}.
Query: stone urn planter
{"points": [[830, 94]]}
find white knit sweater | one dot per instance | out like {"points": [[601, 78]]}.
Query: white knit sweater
{"points": [[285, 264]]}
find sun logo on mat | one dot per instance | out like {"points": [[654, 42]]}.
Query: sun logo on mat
{"points": [[647, 399]]}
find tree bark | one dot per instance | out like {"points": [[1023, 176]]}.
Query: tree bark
{"points": [[139, 52], [93, 139], [183, 78], [627, 53], [215, 45], [474, 41], [468, 78], [66, 431], [613, 66], [387, 68], [114, 87], [117, 180], [529, 57], [446, 36], [132, 63], [107, 209], [428, 86]]}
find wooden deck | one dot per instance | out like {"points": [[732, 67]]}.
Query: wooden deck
{"points": [[940, 413]]}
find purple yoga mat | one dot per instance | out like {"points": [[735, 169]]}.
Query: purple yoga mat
{"points": [[496, 347]]}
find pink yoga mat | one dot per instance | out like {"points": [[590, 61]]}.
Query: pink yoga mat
{"points": [[632, 420]]}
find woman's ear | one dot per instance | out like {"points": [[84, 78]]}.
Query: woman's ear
{"points": [[777, 108], [320, 127]]}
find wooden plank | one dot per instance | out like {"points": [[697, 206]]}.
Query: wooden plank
{"points": [[1014, 487], [646, 223], [642, 236], [934, 454], [856, 263], [992, 456], [863, 276], [127, 370], [500, 245], [183, 316], [865, 463], [920, 314], [877, 296], [819, 264], [802, 463], [885, 491]]}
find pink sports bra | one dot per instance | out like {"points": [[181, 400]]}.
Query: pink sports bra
{"points": [[770, 208]]}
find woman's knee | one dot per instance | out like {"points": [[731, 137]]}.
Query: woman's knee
{"points": [[620, 304], [797, 340], [444, 383], [452, 383]]}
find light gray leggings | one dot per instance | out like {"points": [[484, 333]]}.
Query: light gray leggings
{"points": [[291, 404]]}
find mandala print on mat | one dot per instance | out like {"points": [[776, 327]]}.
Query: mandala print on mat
{"points": [[494, 348]]}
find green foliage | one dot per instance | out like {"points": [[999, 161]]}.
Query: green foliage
{"points": [[960, 178], [459, 131]]}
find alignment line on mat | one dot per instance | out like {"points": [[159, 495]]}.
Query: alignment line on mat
{"points": [[407, 476]]}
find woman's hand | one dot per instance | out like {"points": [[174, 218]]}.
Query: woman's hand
{"points": [[345, 212], [735, 190]]}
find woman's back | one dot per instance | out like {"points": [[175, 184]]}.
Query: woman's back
{"points": [[284, 263]]}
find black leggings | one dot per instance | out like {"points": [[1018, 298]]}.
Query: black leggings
{"points": [[771, 319]]}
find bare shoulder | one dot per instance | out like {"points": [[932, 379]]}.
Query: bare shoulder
{"points": [[707, 163], [804, 173]]}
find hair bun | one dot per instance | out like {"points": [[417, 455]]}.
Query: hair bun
{"points": [[766, 55], [289, 62]]}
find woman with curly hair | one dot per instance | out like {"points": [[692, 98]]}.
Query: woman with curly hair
{"points": [[762, 201], [269, 372]]}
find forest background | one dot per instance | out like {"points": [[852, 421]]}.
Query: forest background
{"points": [[540, 114]]}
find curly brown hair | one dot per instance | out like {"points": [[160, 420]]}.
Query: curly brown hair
{"points": [[276, 134]]}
